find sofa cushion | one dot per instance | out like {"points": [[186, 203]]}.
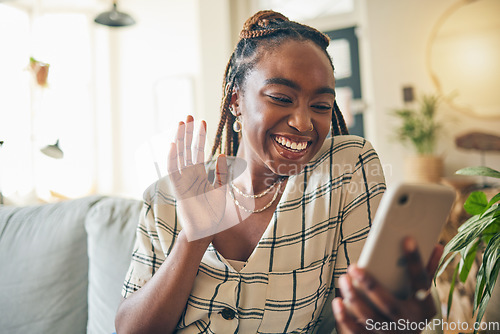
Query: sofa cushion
{"points": [[111, 225], [44, 266]]}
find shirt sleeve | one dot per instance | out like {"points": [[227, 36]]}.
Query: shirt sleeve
{"points": [[156, 233], [361, 198]]}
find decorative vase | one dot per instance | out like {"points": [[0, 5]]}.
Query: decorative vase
{"points": [[423, 168]]}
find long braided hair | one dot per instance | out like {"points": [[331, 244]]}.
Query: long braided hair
{"points": [[270, 28]]}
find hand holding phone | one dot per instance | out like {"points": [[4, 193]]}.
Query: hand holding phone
{"points": [[416, 210]]}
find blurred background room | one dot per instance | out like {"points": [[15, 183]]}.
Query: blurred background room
{"points": [[105, 99], [91, 92]]}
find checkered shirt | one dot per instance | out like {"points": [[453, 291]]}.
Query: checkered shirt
{"points": [[318, 229]]}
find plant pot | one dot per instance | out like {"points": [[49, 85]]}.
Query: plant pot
{"points": [[40, 71], [423, 169]]}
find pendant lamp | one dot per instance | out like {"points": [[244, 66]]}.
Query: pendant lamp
{"points": [[114, 18], [53, 151]]}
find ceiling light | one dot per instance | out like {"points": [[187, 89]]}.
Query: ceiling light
{"points": [[114, 18], [53, 151]]}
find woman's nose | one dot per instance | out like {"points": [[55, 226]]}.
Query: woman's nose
{"points": [[300, 120]]}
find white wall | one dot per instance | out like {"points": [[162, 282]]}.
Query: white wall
{"points": [[395, 35]]}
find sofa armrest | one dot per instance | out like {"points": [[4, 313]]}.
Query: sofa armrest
{"points": [[111, 225]]}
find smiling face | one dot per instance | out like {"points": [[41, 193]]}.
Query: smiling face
{"points": [[286, 107]]}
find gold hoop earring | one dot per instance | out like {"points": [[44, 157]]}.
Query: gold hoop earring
{"points": [[237, 126], [312, 127]]}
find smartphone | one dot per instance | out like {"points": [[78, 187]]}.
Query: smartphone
{"points": [[418, 210]]}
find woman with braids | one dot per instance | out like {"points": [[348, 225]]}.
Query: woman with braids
{"points": [[265, 249]]}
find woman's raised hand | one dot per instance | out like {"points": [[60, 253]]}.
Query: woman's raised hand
{"points": [[200, 204], [367, 307]]}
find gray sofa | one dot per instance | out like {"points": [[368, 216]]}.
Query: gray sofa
{"points": [[62, 265]]}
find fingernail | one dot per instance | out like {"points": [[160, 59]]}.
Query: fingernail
{"points": [[345, 287], [360, 277], [338, 308]]}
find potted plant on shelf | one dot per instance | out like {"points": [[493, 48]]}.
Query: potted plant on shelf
{"points": [[419, 129], [480, 234], [40, 71]]}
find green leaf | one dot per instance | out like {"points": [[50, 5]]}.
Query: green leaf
{"points": [[494, 276], [476, 203], [468, 260], [478, 294], [491, 261], [419, 127], [443, 264], [495, 199], [482, 307], [469, 231], [493, 212], [487, 275], [471, 223], [403, 113], [450, 294], [481, 171], [494, 226], [480, 233]]}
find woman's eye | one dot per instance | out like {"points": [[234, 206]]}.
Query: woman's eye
{"points": [[281, 99], [321, 107]]}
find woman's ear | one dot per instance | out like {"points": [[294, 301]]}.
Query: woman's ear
{"points": [[234, 103]]}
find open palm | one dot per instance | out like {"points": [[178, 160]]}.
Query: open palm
{"points": [[200, 204]]}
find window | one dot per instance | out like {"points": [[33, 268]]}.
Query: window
{"points": [[343, 49], [32, 116]]}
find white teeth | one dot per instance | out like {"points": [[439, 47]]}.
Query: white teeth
{"points": [[298, 146]]}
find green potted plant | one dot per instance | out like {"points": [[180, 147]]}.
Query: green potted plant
{"points": [[480, 234], [419, 129]]}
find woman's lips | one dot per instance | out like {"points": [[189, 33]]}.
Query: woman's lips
{"points": [[291, 148]]}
